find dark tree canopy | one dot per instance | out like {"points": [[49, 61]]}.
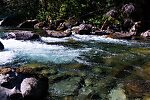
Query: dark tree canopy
{"points": [[92, 10]]}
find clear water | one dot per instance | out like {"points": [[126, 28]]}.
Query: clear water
{"points": [[105, 59]]}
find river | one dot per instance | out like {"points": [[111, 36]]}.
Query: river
{"points": [[103, 58]]}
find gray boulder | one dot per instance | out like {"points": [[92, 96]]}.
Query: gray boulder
{"points": [[21, 35], [29, 86], [22, 85], [33, 88], [146, 34], [128, 9], [58, 34], [84, 29]]}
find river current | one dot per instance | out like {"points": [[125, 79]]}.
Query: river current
{"points": [[55, 50], [104, 59]]}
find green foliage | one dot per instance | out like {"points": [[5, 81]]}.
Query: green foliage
{"points": [[111, 20], [42, 15], [97, 21], [24, 8], [89, 10]]}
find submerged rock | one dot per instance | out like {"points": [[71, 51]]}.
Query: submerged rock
{"points": [[87, 93], [1, 46], [18, 85], [21, 35], [137, 88], [66, 87], [117, 94]]}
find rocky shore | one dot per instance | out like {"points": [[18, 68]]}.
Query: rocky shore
{"points": [[125, 28], [22, 84]]}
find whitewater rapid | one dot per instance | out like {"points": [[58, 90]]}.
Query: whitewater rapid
{"points": [[16, 50]]}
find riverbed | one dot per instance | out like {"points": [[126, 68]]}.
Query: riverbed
{"points": [[96, 66]]}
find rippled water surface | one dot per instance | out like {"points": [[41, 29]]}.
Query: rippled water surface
{"points": [[104, 59], [64, 50]]}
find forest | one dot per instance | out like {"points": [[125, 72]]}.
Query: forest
{"points": [[87, 10]]}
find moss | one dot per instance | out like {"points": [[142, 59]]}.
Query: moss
{"points": [[97, 70], [141, 51], [74, 66], [36, 68]]}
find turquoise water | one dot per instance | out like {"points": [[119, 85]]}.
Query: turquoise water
{"points": [[97, 58]]}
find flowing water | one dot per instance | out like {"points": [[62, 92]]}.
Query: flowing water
{"points": [[55, 50], [103, 58]]}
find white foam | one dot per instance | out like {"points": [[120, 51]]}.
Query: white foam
{"points": [[6, 57], [36, 51], [86, 38]]}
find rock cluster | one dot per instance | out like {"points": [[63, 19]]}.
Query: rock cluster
{"points": [[15, 84], [21, 35]]}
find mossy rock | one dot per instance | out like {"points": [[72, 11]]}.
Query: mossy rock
{"points": [[144, 71], [67, 87], [87, 93], [137, 88], [61, 76], [117, 94], [74, 66], [36, 68], [141, 51]]}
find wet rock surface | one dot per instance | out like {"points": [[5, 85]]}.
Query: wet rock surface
{"points": [[121, 35], [20, 86], [137, 88], [84, 29], [58, 34], [21, 35], [146, 34], [66, 87]]}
